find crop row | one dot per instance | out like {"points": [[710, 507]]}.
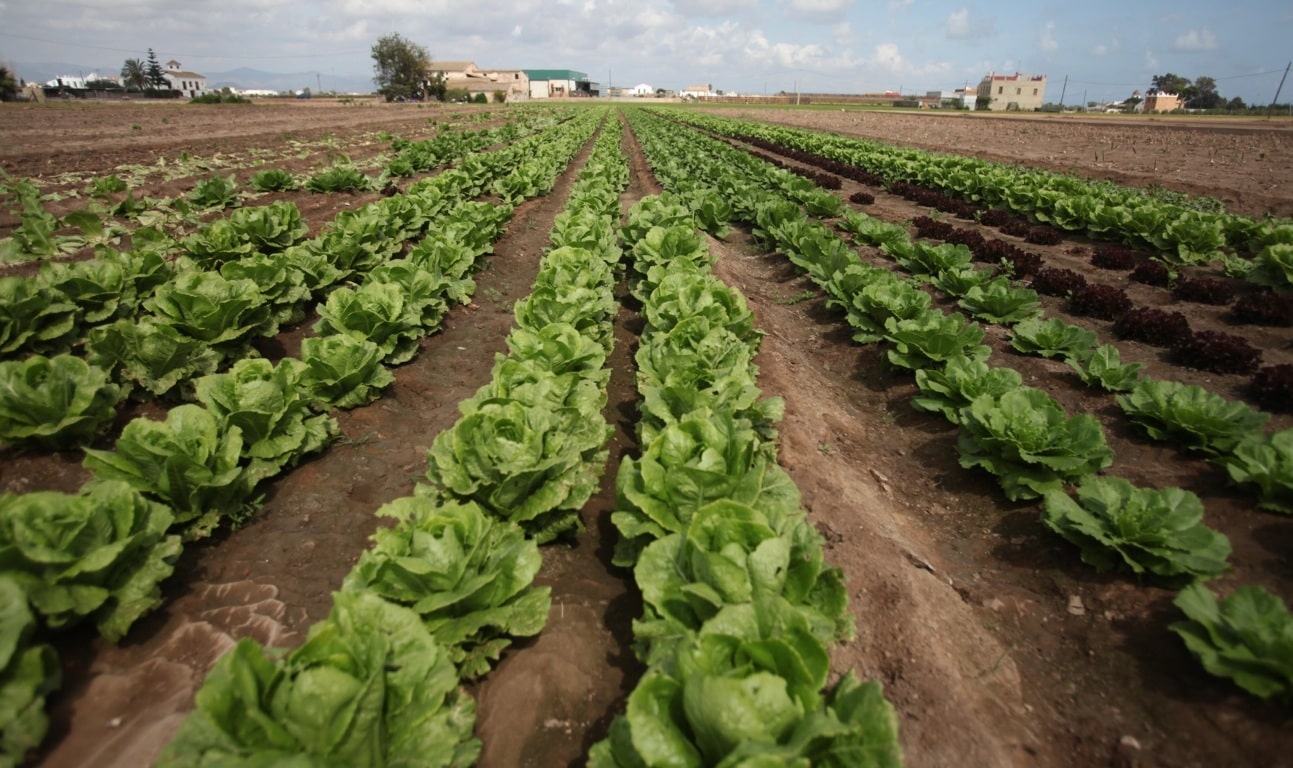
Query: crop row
{"points": [[101, 554], [440, 593], [1024, 438]]}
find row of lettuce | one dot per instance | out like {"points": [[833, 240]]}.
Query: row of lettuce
{"points": [[112, 210], [1021, 434], [439, 595], [1179, 233], [99, 555], [739, 605]]}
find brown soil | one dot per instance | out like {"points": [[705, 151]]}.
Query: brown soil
{"points": [[995, 643]]}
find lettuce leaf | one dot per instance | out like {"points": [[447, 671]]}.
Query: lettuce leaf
{"points": [[370, 687], [1156, 531], [54, 402], [1247, 637]]}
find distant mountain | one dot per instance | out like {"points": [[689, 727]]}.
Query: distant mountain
{"points": [[241, 78], [246, 79]]}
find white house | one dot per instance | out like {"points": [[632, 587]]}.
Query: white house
{"points": [[697, 91], [643, 89], [189, 84]]}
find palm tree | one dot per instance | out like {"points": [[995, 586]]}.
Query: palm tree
{"points": [[133, 75]]}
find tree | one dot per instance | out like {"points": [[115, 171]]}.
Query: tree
{"points": [[8, 85], [153, 73], [1202, 94], [1236, 105], [134, 75], [402, 68], [1170, 83]]}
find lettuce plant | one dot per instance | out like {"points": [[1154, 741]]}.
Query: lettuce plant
{"points": [[342, 371], [149, 354], [467, 575], [34, 317], [1273, 267], [1103, 367], [957, 383], [99, 554], [186, 461], [54, 402], [731, 554], [1191, 416], [1024, 438], [527, 464], [1155, 531], [702, 457], [339, 178], [101, 288], [28, 673], [281, 282], [881, 301], [272, 180], [685, 294], [1247, 637], [931, 338], [208, 307], [1052, 338], [269, 405], [370, 687], [376, 312], [215, 192], [999, 302], [1265, 464]]}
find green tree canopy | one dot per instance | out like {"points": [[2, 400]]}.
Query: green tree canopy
{"points": [[8, 85], [401, 68], [153, 72], [134, 75], [1170, 83]]}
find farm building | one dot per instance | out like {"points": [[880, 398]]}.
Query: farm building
{"points": [[1025, 93], [697, 91], [559, 83], [514, 83], [1161, 101], [189, 84]]}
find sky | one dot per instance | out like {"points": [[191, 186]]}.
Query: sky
{"points": [[1105, 48]]}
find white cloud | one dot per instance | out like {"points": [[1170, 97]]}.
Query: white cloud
{"points": [[1047, 41], [1196, 40], [831, 8], [713, 7], [843, 33], [895, 5], [961, 24], [1151, 62], [1100, 49]]}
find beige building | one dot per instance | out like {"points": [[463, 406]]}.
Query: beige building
{"points": [[1025, 93], [513, 83], [1161, 101]]}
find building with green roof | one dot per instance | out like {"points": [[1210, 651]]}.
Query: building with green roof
{"points": [[560, 83]]}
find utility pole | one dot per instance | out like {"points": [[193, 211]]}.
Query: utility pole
{"points": [[1063, 88], [1271, 108]]}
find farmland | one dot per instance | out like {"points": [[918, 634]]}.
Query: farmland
{"points": [[996, 643]]}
